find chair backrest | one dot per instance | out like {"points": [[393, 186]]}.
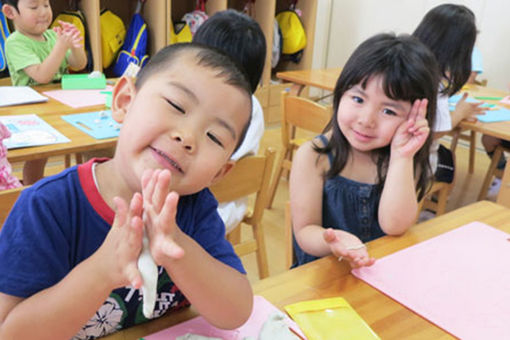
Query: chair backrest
{"points": [[302, 113], [7, 200], [250, 175]]}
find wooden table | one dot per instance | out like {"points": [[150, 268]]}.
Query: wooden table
{"points": [[80, 142], [51, 111], [322, 78], [327, 278], [52, 106]]}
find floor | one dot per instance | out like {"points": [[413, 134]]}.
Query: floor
{"points": [[465, 191]]}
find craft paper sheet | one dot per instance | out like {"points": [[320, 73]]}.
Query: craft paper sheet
{"points": [[459, 280]]}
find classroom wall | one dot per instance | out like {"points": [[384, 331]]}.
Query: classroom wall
{"points": [[343, 24]]}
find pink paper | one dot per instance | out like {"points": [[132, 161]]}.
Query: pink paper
{"points": [[262, 309], [505, 100], [79, 98], [459, 280]]}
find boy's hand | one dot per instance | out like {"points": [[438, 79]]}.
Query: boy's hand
{"points": [[118, 254], [69, 34], [411, 134], [467, 110], [347, 246], [160, 208]]}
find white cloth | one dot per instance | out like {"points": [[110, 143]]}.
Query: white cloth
{"points": [[233, 212], [443, 123]]}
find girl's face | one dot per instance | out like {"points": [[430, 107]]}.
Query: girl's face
{"points": [[368, 118]]}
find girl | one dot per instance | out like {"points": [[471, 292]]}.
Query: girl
{"points": [[359, 180], [449, 31]]}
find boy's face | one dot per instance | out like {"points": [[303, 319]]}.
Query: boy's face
{"points": [[183, 118], [32, 18]]}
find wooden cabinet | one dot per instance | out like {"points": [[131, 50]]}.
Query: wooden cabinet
{"points": [[159, 14]]}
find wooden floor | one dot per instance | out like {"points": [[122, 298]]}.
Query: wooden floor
{"points": [[465, 191]]}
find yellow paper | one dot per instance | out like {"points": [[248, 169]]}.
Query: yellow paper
{"points": [[330, 319]]}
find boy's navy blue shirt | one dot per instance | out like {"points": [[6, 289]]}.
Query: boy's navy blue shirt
{"points": [[62, 220]]}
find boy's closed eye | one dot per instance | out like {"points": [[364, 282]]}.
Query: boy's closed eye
{"points": [[215, 139], [175, 106]]}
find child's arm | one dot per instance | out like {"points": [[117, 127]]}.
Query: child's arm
{"points": [[218, 292], [306, 186], [464, 110], [398, 206], [60, 311], [43, 73], [78, 59]]}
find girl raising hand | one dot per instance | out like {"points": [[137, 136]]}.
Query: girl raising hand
{"points": [[362, 178]]}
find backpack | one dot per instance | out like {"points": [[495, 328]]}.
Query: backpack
{"points": [[78, 20], [197, 17], [113, 33], [135, 46], [180, 32], [293, 32], [4, 33]]}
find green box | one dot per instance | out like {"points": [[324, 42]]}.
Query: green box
{"points": [[83, 82]]}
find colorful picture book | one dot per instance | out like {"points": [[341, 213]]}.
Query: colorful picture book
{"points": [[30, 130], [99, 124], [458, 280], [17, 95]]}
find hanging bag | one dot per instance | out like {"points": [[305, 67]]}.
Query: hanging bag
{"points": [[113, 33], [197, 17], [4, 33], [293, 32], [134, 49]]}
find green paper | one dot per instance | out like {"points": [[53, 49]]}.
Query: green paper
{"points": [[488, 98]]}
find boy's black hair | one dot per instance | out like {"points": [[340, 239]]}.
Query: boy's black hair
{"points": [[13, 3], [205, 56], [409, 71], [239, 36], [449, 31]]}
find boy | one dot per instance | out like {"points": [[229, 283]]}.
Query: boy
{"points": [[240, 37], [186, 114], [38, 55]]}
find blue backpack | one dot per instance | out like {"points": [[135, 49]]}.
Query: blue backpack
{"points": [[135, 46], [4, 33]]}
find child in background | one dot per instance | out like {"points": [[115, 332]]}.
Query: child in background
{"points": [[359, 180], [70, 245], [449, 31], [7, 180], [38, 55], [240, 37]]}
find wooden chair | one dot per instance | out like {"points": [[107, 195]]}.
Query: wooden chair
{"points": [[504, 191], [289, 247], [492, 171], [457, 134], [7, 200], [297, 113], [442, 190], [250, 175]]}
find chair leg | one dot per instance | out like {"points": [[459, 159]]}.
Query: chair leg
{"points": [[67, 161], [488, 177], [442, 200], [79, 158], [472, 152], [234, 236], [289, 251], [276, 179], [258, 233]]}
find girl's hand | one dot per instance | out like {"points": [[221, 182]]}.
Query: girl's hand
{"points": [[347, 246], [411, 134], [118, 254], [160, 208], [469, 111]]}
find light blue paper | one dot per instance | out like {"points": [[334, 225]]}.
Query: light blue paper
{"points": [[99, 124], [493, 116]]}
